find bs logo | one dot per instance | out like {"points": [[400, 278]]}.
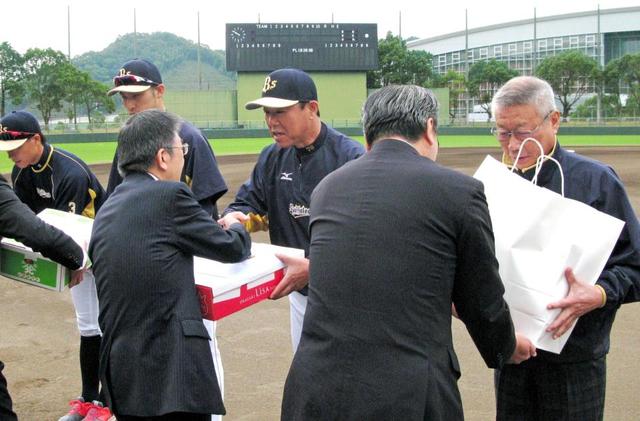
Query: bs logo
{"points": [[269, 84]]}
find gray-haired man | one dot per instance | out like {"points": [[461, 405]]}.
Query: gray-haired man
{"points": [[395, 240], [571, 385], [155, 357]]}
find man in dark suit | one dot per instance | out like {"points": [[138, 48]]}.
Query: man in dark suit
{"points": [[155, 358], [19, 222], [396, 240]]}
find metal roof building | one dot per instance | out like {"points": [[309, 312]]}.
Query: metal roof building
{"points": [[602, 34]]}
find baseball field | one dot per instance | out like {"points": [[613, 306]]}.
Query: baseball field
{"points": [[39, 340]]}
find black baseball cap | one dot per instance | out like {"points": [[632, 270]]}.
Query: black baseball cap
{"points": [[136, 75], [284, 88], [16, 128]]}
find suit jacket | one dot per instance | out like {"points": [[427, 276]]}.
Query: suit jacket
{"points": [[155, 356], [395, 239], [17, 221]]}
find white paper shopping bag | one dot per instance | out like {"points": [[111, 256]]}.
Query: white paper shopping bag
{"points": [[538, 234]]}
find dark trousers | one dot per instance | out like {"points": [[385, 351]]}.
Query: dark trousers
{"points": [[536, 390], [174, 416], [6, 413]]}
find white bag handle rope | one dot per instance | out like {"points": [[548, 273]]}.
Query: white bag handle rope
{"points": [[539, 161]]}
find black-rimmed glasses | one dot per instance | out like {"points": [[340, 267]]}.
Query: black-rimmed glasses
{"points": [[505, 135]]}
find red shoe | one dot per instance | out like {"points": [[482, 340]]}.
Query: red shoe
{"points": [[78, 411], [98, 412]]}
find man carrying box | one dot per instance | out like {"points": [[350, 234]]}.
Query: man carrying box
{"points": [[19, 222], [140, 86], [48, 177], [570, 385], [277, 195], [155, 360]]}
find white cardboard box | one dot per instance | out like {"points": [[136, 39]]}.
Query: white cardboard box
{"points": [[226, 288], [19, 262]]}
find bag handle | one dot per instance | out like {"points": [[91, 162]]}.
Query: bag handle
{"points": [[539, 161]]}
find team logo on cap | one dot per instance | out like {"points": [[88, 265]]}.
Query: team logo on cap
{"points": [[269, 84], [123, 72]]}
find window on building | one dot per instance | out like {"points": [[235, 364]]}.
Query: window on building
{"points": [[513, 49], [590, 40], [470, 55], [497, 51], [527, 46], [484, 53], [573, 42], [442, 59], [557, 43], [455, 57], [542, 44]]}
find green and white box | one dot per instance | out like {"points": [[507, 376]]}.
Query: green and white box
{"points": [[23, 264], [19, 262]]}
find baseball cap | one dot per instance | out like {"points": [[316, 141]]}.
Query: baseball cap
{"points": [[284, 88], [135, 76], [16, 128]]}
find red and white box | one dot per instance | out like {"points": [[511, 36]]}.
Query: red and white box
{"points": [[226, 288]]}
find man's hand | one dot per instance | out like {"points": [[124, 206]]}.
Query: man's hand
{"points": [[581, 299], [76, 276], [232, 218], [524, 350], [296, 276]]}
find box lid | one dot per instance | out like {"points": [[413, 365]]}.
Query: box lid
{"points": [[224, 277], [77, 227]]}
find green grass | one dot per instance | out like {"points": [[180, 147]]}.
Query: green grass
{"points": [[102, 152]]}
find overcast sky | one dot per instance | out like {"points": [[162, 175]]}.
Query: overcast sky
{"points": [[97, 23]]}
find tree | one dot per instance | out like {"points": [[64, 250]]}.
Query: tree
{"points": [[10, 74], [399, 65], [610, 107], [83, 90], [44, 81], [571, 75], [484, 79], [456, 83], [625, 71], [95, 98]]}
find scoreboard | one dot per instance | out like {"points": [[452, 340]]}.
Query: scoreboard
{"points": [[264, 47]]}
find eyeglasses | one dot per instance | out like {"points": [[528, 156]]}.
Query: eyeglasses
{"points": [[184, 147], [504, 135], [132, 80], [13, 135]]}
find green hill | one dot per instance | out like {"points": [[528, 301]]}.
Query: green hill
{"points": [[176, 58]]}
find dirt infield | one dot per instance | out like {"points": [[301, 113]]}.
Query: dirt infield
{"points": [[39, 340]]}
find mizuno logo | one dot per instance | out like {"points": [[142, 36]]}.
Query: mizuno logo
{"points": [[286, 176]]}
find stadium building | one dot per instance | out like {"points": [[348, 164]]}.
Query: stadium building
{"points": [[604, 35]]}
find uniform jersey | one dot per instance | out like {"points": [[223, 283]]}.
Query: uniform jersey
{"points": [[59, 180], [283, 179], [200, 171]]}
